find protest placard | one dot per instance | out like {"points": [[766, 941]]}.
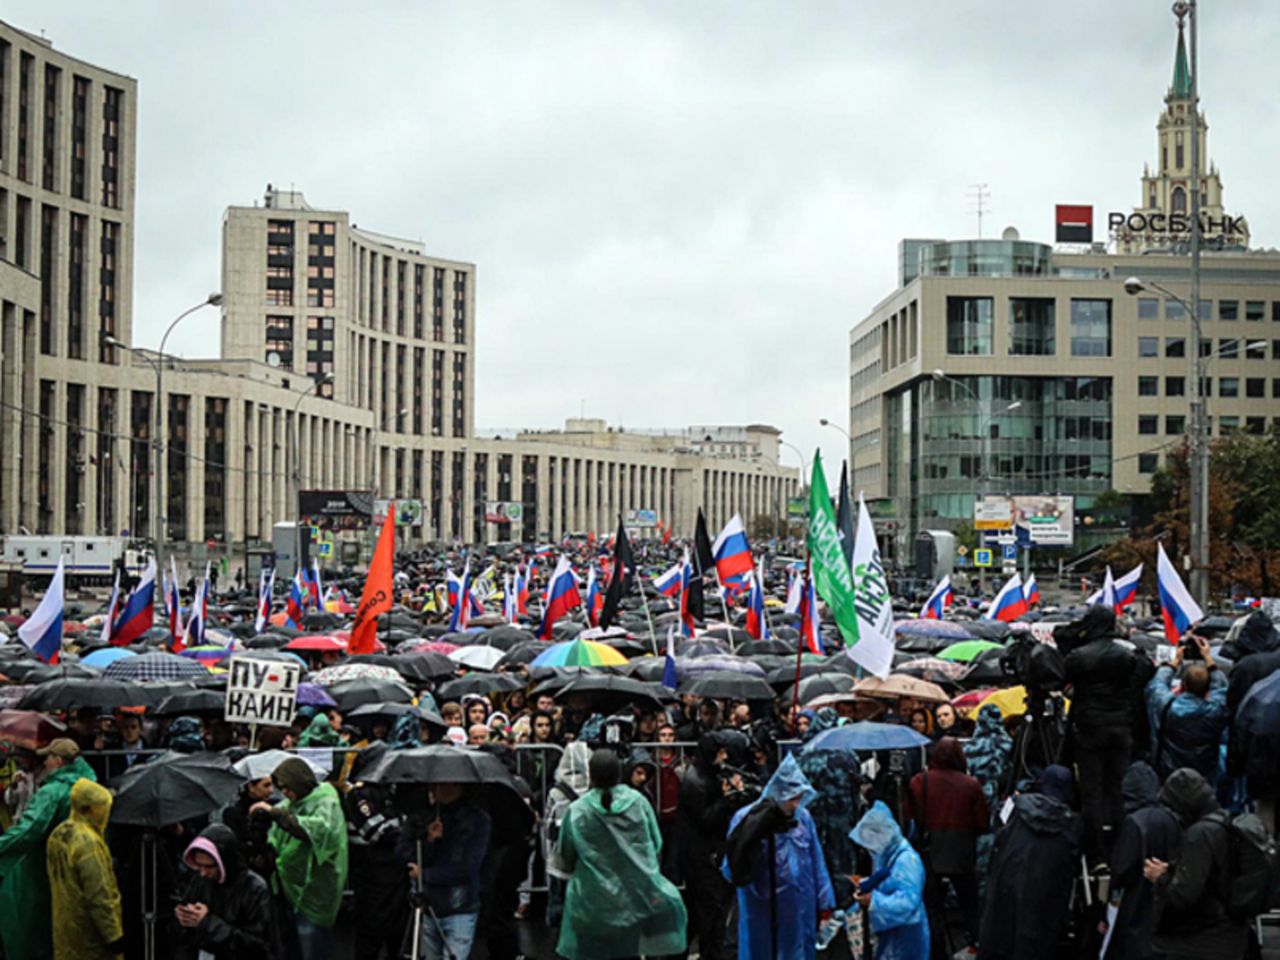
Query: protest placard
{"points": [[262, 691]]}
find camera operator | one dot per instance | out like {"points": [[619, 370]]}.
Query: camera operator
{"points": [[721, 781], [1103, 676], [1186, 728]]}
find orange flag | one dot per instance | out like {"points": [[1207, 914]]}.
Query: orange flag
{"points": [[376, 598]]}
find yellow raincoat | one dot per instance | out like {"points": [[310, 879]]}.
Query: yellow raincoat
{"points": [[87, 922]]}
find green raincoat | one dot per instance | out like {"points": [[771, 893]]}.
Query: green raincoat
{"points": [[319, 733], [24, 878], [312, 872], [613, 856], [86, 901]]}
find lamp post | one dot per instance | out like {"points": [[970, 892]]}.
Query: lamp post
{"points": [[295, 466], [157, 513]]}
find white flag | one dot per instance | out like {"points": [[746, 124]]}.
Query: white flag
{"points": [[871, 598]]}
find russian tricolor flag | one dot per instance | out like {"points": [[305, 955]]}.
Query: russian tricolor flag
{"points": [[1031, 590], [562, 596], [757, 624], [138, 614], [522, 591], [459, 589], [173, 600], [809, 615], [313, 593], [795, 587], [198, 619], [296, 603], [266, 585], [42, 631], [939, 600], [669, 677], [1126, 588], [671, 583], [109, 621], [1009, 603], [509, 611], [732, 556], [595, 597], [1178, 608]]}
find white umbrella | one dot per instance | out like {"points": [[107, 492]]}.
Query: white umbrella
{"points": [[477, 658], [258, 765]]}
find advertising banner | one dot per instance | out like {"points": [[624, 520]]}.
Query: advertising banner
{"points": [[262, 691], [992, 513], [336, 509], [1045, 520], [502, 511], [408, 512], [641, 518]]}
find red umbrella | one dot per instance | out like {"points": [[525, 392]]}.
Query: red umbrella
{"points": [[966, 703], [29, 728], [317, 644]]}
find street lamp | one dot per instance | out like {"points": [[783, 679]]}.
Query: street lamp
{"points": [[157, 442], [295, 468], [1198, 447]]}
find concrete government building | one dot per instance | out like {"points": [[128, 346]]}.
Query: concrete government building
{"points": [[1013, 367], [347, 363]]}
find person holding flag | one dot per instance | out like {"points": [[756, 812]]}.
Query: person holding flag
{"points": [[562, 597], [138, 614]]}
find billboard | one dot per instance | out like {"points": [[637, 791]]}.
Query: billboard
{"points": [[1045, 520], [641, 518], [408, 512], [336, 509], [797, 507], [503, 511], [992, 513]]}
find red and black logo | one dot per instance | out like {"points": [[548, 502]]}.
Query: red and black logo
{"points": [[1074, 223]]}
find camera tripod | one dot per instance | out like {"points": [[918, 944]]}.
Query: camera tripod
{"points": [[1039, 740]]}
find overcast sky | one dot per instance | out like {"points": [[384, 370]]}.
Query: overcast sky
{"points": [[677, 209]]}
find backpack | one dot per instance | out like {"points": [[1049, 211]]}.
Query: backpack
{"points": [[1253, 866]]}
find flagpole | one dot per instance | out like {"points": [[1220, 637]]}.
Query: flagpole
{"points": [[813, 614], [648, 614]]}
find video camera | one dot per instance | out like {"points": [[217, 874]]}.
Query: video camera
{"points": [[751, 788], [616, 733], [1040, 667]]}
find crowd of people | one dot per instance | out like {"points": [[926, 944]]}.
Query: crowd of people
{"points": [[1092, 796]]}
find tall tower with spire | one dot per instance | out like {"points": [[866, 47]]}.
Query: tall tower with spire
{"points": [[1161, 221]]}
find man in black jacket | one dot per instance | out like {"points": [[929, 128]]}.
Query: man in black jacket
{"points": [[1257, 654], [1102, 675], [225, 912], [1194, 922]]}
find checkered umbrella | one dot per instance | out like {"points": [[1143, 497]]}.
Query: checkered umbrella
{"points": [[155, 666]]}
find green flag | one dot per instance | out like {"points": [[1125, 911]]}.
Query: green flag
{"points": [[830, 569]]}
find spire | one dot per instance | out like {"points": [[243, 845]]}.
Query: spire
{"points": [[1181, 89]]}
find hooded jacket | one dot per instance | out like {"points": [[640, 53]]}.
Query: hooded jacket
{"points": [[1021, 920], [309, 836], [1148, 830], [1191, 896], [1186, 730], [571, 782], [24, 876], [949, 810], [1257, 648], [88, 924], [238, 926], [705, 810], [897, 914], [988, 752], [1102, 673]]}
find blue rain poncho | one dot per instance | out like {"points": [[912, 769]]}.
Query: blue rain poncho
{"points": [[897, 904], [799, 877]]}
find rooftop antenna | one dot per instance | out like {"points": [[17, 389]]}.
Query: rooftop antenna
{"points": [[979, 193]]}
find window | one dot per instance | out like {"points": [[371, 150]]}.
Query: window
{"points": [[1148, 307], [1275, 311], [1228, 386], [1175, 386], [1175, 346], [1173, 310], [1275, 388], [1255, 310], [1147, 462], [1175, 425], [1031, 327], [1228, 309], [1179, 195], [1228, 425], [1255, 387], [969, 325], [1255, 425], [1148, 424], [1148, 346], [1091, 328], [1255, 350], [1148, 386], [1229, 349]]}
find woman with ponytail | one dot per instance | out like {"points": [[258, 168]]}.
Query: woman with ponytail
{"points": [[617, 904]]}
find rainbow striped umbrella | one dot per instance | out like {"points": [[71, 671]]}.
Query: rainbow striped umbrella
{"points": [[579, 653], [209, 654]]}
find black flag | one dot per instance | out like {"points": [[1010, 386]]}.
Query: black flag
{"points": [[703, 560], [844, 516], [624, 565]]}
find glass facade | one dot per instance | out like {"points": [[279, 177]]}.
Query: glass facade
{"points": [[1091, 328], [986, 258], [1031, 331], [970, 325], [948, 441]]}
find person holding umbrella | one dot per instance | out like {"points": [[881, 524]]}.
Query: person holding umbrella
{"points": [[24, 877], [309, 836], [610, 844]]}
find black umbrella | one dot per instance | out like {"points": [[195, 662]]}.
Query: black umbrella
{"points": [[994, 630], [191, 701], [786, 673], [646, 668], [728, 686], [317, 622], [37, 672], [174, 787], [702, 648], [350, 694], [268, 641], [481, 683], [423, 666], [770, 647], [732, 635], [624, 689], [507, 636], [395, 710], [439, 763], [522, 654], [96, 692], [820, 685]]}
